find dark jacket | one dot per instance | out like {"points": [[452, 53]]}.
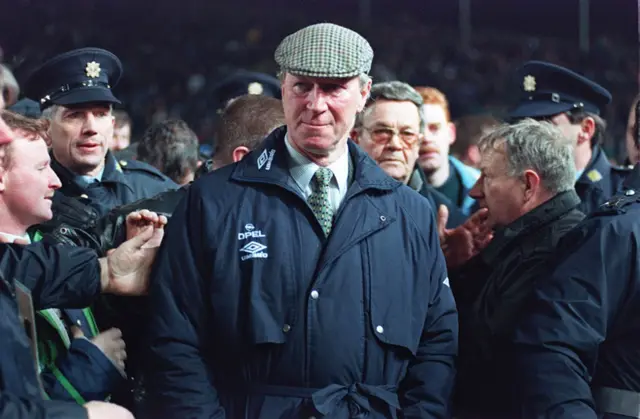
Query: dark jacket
{"points": [[581, 331], [418, 182], [57, 277], [490, 291], [599, 181], [122, 182], [256, 314]]}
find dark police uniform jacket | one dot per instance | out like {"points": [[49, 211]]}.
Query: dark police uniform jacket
{"points": [[122, 183], [256, 314], [57, 276], [599, 181], [578, 351], [490, 291]]}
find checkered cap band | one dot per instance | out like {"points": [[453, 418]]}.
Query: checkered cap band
{"points": [[324, 50]]}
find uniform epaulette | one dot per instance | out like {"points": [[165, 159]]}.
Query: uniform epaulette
{"points": [[138, 166], [618, 202]]}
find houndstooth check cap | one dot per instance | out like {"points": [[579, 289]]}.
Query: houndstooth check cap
{"points": [[324, 50]]}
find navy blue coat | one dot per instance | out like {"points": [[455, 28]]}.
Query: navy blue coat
{"points": [[583, 326], [599, 182], [57, 276], [256, 314]]}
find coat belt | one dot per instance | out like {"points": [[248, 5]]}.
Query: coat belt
{"points": [[339, 401], [617, 401]]}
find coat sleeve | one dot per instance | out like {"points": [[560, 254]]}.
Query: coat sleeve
{"points": [[178, 378], [82, 374], [427, 388], [556, 344], [12, 407], [58, 276]]}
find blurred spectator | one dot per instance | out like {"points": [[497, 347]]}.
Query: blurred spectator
{"points": [[444, 172], [633, 148], [171, 147], [469, 130], [122, 130], [246, 121]]}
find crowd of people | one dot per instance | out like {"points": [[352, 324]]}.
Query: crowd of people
{"points": [[180, 54], [350, 249]]}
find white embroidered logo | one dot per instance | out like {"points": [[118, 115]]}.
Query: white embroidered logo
{"points": [[254, 250], [250, 233], [266, 157]]}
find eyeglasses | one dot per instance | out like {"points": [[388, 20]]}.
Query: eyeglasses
{"points": [[383, 135]]}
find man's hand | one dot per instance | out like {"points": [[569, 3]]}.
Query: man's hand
{"points": [[110, 342], [125, 270], [102, 410], [465, 241], [137, 221]]}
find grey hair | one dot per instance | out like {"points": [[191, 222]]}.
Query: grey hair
{"points": [[392, 90], [538, 146], [364, 78], [51, 111]]}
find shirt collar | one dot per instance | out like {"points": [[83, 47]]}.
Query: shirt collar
{"points": [[302, 169], [13, 237], [88, 180]]}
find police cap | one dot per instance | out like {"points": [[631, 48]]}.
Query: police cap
{"points": [[243, 82], [83, 75], [547, 89]]}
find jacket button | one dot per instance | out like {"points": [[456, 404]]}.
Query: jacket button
{"points": [[380, 329], [630, 192], [383, 218], [84, 196], [315, 294], [286, 328]]}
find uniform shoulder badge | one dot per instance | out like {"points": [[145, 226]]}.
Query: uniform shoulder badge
{"points": [[594, 175]]}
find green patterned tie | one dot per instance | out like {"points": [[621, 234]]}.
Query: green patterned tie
{"points": [[319, 199]]}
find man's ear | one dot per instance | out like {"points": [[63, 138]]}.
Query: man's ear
{"points": [[587, 130], [532, 183], [355, 136], [452, 133], [238, 153]]}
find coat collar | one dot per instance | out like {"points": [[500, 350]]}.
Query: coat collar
{"points": [[112, 173], [531, 221], [269, 163], [597, 168]]}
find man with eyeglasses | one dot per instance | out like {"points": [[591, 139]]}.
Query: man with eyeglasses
{"points": [[389, 131], [575, 105]]}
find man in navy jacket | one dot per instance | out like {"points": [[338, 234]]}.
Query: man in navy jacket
{"points": [[303, 281]]}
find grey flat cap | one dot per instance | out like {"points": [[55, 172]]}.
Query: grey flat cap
{"points": [[324, 50]]}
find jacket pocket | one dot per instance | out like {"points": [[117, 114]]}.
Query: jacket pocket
{"points": [[397, 300]]}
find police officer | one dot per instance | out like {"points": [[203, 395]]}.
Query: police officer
{"points": [[74, 92], [578, 347], [244, 82], [575, 104]]}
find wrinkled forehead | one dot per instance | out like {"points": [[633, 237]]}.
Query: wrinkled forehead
{"points": [[319, 80]]}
